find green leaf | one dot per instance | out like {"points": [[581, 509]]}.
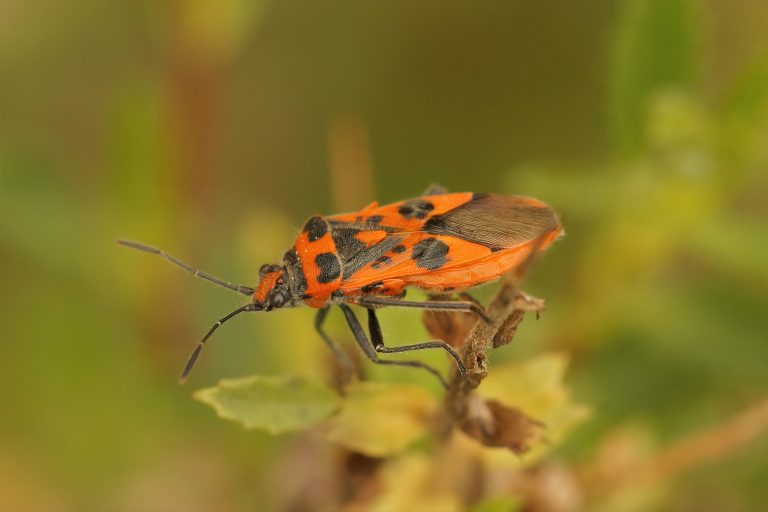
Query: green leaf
{"points": [[534, 385], [275, 404], [380, 419], [655, 49], [498, 504]]}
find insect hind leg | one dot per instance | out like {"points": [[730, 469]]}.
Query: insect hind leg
{"points": [[368, 348], [377, 338], [338, 353]]}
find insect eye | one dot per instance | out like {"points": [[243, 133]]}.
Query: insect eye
{"points": [[277, 300]]}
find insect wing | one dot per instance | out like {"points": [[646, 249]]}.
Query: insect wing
{"points": [[409, 215], [483, 237], [495, 221]]}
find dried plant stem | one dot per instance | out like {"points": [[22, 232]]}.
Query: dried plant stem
{"points": [[705, 447], [709, 445], [504, 311]]}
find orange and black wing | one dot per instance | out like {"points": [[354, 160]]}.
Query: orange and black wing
{"points": [[460, 241]]}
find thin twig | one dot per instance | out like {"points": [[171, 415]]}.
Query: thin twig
{"points": [[709, 445], [609, 475], [507, 301]]}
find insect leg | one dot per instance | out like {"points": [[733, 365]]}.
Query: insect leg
{"points": [[378, 342], [469, 298], [339, 354], [245, 290], [433, 305], [367, 347], [434, 189]]}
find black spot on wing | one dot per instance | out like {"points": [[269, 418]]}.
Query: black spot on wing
{"points": [[371, 287], [380, 262], [330, 268], [346, 241], [355, 260], [315, 228], [375, 219], [355, 254], [398, 249], [415, 208], [435, 225], [430, 253]]}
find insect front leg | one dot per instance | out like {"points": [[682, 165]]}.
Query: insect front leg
{"points": [[338, 353], [369, 350], [374, 328]]}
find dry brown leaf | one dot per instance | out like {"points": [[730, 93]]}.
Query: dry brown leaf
{"points": [[451, 327], [498, 425], [534, 387]]}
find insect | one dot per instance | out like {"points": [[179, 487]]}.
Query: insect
{"points": [[439, 242]]}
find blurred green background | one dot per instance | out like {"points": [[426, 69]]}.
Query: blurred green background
{"points": [[214, 129]]}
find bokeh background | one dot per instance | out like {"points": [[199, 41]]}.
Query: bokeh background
{"points": [[215, 128]]}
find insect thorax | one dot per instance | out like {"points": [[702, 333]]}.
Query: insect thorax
{"points": [[294, 273]]}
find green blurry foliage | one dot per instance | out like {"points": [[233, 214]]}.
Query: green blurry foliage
{"points": [[381, 419], [500, 504], [655, 47], [656, 294], [219, 28], [410, 484]]}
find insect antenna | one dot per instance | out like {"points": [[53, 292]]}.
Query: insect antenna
{"points": [[245, 290], [196, 353]]}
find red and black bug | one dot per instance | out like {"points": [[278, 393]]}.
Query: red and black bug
{"points": [[439, 242]]}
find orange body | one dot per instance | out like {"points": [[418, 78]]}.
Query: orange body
{"points": [[440, 243]]}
